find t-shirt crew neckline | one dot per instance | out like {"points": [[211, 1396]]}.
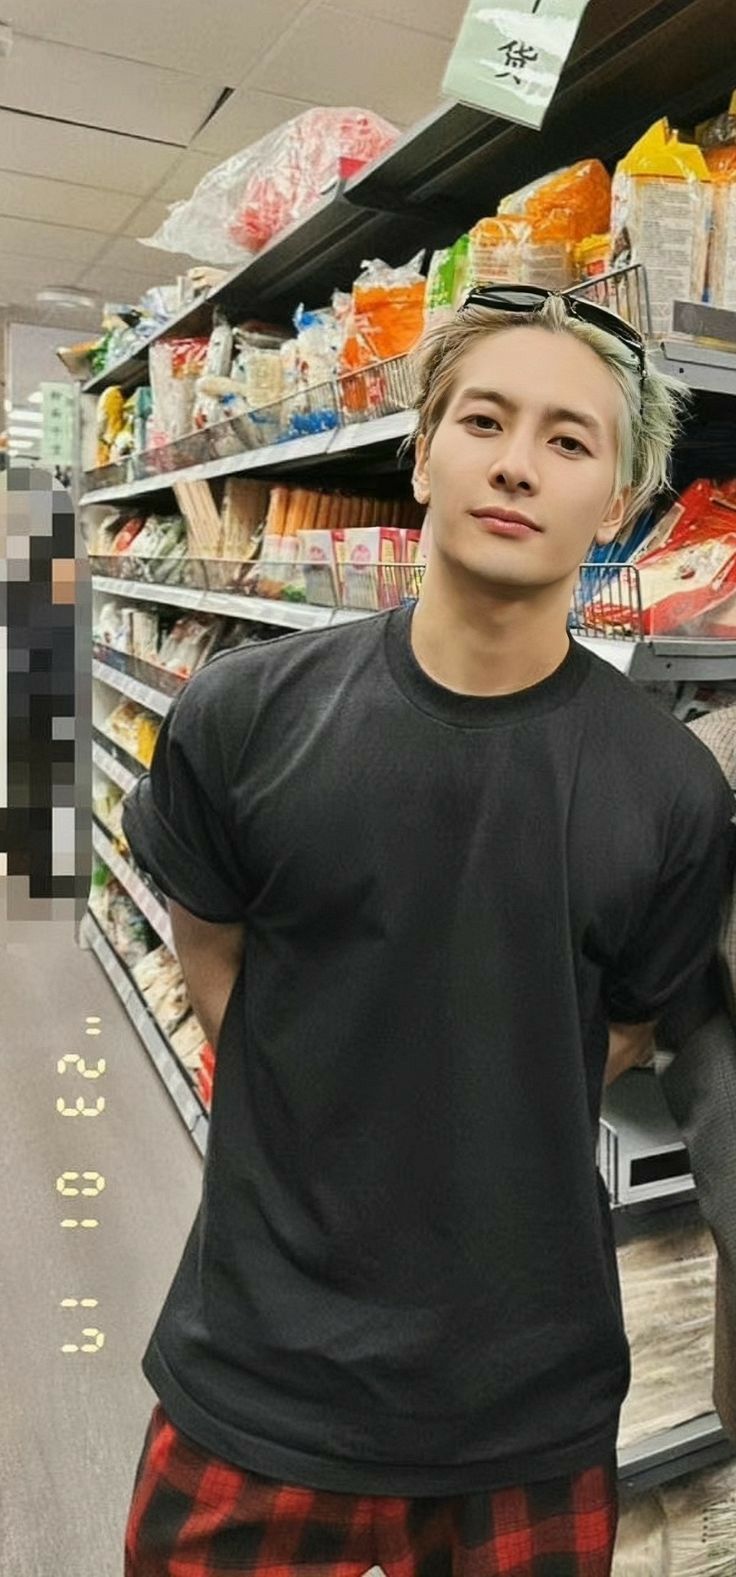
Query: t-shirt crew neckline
{"points": [[478, 711]]}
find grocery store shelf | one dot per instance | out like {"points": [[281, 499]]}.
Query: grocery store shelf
{"points": [[364, 435], [690, 1447], [263, 610], [273, 458], [190, 597], [113, 768], [707, 368], [162, 1056], [154, 700], [150, 907]]}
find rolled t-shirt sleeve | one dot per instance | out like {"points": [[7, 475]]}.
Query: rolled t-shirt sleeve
{"points": [[177, 819], [678, 933]]}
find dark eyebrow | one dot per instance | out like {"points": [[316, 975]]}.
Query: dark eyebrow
{"points": [[551, 413]]}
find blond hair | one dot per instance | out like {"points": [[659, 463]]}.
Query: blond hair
{"points": [[650, 409]]}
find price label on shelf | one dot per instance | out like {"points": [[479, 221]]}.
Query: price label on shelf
{"points": [[509, 57]]}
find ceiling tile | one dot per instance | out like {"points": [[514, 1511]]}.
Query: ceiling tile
{"points": [[98, 90], [34, 146], [332, 58], [118, 284], [441, 17], [61, 202], [219, 38], [21, 277], [244, 119], [56, 242], [184, 175], [145, 219], [128, 254]]}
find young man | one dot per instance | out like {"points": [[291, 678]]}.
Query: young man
{"points": [[433, 878]]}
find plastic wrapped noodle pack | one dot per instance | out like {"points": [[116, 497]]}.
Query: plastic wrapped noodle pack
{"points": [[700, 1524], [241, 205], [668, 1290]]}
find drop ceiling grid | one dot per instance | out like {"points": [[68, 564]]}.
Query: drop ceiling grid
{"points": [[74, 198]]}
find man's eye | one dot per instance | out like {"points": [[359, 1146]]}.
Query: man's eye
{"points": [[571, 445], [487, 424]]}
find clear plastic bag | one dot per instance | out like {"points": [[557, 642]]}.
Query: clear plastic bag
{"points": [[241, 205]]}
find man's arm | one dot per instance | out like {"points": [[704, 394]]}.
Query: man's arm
{"points": [[211, 957], [629, 1046]]}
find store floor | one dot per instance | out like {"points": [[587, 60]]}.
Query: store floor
{"points": [[73, 1422]]}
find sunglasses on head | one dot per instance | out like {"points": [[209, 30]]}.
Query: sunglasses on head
{"points": [[531, 298]]}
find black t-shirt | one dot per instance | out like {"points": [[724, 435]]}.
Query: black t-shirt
{"points": [[402, 1277]]}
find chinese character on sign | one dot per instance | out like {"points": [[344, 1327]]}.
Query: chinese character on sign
{"points": [[510, 55], [516, 56]]}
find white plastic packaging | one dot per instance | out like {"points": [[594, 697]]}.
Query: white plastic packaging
{"points": [[241, 205]]}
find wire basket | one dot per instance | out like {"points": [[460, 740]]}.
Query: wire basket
{"points": [[152, 674], [607, 603], [382, 389], [623, 291], [161, 571]]}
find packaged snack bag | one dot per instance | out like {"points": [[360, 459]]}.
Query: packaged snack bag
{"points": [[661, 216], [495, 251], [718, 141], [110, 421], [592, 257], [569, 204], [241, 205]]}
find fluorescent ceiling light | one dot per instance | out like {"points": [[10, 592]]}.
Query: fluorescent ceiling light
{"points": [[66, 296], [16, 430], [24, 415]]}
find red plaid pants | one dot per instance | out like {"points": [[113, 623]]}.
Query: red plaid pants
{"points": [[193, 1515]]}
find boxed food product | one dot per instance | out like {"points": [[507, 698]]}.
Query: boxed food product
{"points": [[369, 577], [661, 216], [319, 567]]}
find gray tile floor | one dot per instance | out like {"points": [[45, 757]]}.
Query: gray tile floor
{"points": [[72, 1424]]}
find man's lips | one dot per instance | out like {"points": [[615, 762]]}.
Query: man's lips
{"points": [[510, 516]]}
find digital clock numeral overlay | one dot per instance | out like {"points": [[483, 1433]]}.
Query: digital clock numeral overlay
{"points": [[66, 1185], [95, 1339], [84, 1185]]}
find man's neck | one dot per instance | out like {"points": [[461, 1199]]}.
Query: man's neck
{"points": [[478, 640]]}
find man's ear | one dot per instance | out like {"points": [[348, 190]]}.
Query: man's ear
{"points": [[614, 517], [420, 478]]}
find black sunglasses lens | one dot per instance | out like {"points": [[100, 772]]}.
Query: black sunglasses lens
{"points": [[610, 322], [509, 300]]}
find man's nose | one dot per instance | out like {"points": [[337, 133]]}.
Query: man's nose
{"points": [[513, 466]]}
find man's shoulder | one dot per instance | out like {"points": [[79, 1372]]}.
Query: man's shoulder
{"points": [[642, 730]]}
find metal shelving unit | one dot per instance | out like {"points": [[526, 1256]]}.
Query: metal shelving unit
{"points": [[153, 700], [113, 769], [144, 899], [632, 59], [162, 1056]]}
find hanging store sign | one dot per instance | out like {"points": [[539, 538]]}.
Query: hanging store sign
{"points": [[57, 430], [509, 58]]}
